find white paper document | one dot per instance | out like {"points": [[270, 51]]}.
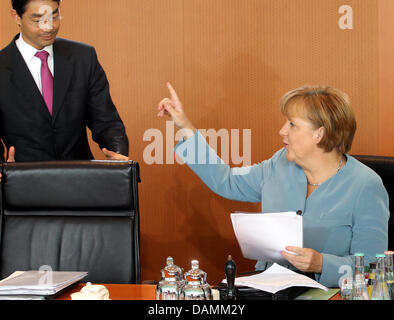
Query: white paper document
{"points": [[277, 278], [38, 282], [262, 236]]}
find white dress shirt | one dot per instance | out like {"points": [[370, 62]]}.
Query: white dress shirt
{"points": [[33, 63]]}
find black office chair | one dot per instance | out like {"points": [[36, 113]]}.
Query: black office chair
{"points": [[384, 167], [72, 216]]}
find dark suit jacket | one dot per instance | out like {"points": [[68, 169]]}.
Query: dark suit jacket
{"points": [[81, 98]]}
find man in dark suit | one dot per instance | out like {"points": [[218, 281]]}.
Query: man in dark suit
{"points": [[50, 90]]}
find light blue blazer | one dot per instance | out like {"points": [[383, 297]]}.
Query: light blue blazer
{"points": [[346, 214]]}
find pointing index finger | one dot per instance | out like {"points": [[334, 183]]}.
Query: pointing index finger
{"points": [[174, 96]]}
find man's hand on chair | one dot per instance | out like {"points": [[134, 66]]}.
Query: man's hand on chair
{"points": [[11, 156]]}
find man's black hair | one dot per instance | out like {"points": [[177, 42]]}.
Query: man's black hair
{"points": [[20, 6]]}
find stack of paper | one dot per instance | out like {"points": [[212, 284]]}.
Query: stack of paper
{"points": [[277, 278], [263, 236], [38, 283]]}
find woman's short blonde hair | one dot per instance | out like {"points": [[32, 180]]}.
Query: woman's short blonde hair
{"points": [[325, 107]]}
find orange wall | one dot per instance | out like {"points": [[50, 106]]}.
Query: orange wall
{"points": [[386, 77], [230, 61]]}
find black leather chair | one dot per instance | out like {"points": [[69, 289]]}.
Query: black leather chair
{"points": [[384, 167], [71, 216]]}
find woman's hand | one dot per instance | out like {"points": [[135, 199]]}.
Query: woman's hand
{"points": [[304, 259], [173, 108]]}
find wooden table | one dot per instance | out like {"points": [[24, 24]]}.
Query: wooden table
{"points": [[336, 297], [131, 292], [120, 291]]}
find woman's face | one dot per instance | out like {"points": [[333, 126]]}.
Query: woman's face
{"points": [[300, 138]]}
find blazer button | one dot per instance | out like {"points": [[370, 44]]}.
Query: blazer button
{"points": [[54, 130]]}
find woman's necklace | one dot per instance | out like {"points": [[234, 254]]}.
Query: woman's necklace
{"points": [[318, 184]]}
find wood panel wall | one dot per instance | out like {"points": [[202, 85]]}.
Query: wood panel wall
{"points": [[230, 61], [386, 77]]}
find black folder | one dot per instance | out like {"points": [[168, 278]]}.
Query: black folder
{"points": [[248, 293]]}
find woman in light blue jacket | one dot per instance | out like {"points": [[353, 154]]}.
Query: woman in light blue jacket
{"points": [[343, 202]]}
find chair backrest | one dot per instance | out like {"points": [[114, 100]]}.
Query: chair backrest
{"points": [[384, 167], [71, 216]]}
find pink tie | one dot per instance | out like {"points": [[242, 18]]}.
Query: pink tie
{"points": [[46, 79]]}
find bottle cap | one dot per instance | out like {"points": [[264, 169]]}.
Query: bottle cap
{"points": [[195, 273], [171, 271], [388, 252], [380, 255], [359, 254]]}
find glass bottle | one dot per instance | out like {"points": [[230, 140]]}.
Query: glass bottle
{"points": [[359, 290], [366, 274], [196, 287], [371, 278], [358, 264], [171, 282], [390, 272], [380, 290], [347, 288]]}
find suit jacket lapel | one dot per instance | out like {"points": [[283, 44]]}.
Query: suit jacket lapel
{"points": [[24, 82], [63, 74]]}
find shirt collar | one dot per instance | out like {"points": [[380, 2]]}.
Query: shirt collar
{"points": [[28, 52]]}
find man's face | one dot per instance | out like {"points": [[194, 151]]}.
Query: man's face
{"points": [[40, 23]]}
